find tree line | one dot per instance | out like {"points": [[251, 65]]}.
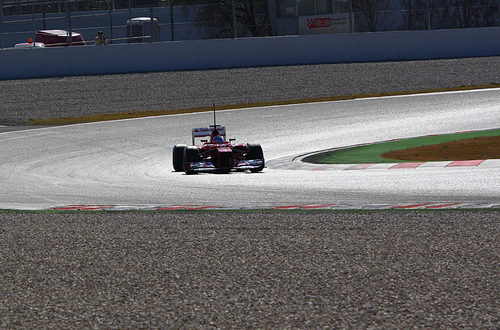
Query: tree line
{"points": [[375, 15]]}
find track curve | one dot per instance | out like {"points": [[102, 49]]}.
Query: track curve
{"points": [[128, 162]]}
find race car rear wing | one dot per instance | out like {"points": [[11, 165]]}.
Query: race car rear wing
{"points": [[207, 131]]}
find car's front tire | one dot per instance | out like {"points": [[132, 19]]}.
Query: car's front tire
{"points": [[255, 152], [191, 155], [178, 157]]}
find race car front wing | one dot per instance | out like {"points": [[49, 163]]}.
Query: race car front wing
{"points": [[242, 165]]}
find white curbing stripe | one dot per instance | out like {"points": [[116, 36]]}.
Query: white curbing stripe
{"points": [[435, 164], [491, 163], [382, 166]]}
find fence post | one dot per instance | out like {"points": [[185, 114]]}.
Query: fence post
{"points": [[1, 24], [110, 22], [69, 29], [297, 28], [172, 20], [498, 12], [350, 17], [152, 20], [33, 21], [235, 31], [428, 16]]}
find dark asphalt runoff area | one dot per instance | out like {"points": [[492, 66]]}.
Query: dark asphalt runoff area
{"points": [[250, 270], [347, 269]]}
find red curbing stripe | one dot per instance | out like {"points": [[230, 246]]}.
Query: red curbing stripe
{"points": [[405, 165], [410, 206], [66, 208], [442, 205], [200, 208], [359, 167], [460, 163]]}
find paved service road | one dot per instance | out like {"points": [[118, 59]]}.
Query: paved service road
{"points": [[129, 162]]}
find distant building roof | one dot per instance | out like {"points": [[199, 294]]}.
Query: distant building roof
{"points": [[30, 45], [141, 19], [60, 33]]}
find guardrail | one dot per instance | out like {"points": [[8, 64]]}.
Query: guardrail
{"points": [[248, 52]]}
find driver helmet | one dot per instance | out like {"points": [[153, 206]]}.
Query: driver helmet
{"points": [[217, 139]]}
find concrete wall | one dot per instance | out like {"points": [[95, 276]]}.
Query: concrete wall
{"points": [[228, 53]]}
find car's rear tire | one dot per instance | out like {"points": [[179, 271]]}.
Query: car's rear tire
{"points": [[178, 157], [191, 155], [255, 152]]}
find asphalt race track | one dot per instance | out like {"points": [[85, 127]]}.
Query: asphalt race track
{"points": [[128, 163]]}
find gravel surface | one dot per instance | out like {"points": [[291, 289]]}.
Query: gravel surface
{"points": [[250, 270], [88, 95]]}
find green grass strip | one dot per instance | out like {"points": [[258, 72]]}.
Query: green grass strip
{"points": [[373, 153]]}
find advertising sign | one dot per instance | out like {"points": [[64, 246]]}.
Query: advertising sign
{"points": [[321, 24]]}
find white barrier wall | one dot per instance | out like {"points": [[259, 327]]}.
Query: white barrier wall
{"points": [[229, 53]]}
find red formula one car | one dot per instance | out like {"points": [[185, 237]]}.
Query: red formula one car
{"points": [[216, 154]]}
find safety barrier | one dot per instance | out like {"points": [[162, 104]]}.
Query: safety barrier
{"points": [[248, 52]]}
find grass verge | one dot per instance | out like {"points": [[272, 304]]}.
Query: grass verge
{"points": [[373, 153]]}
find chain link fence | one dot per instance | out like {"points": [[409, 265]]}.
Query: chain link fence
{"points": [[125, 21], [132, 21], [401, 15]]}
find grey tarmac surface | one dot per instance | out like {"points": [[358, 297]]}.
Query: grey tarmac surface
{"points": [[89, 95], [250, 270]]}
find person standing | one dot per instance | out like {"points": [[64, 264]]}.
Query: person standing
{"points": [[100, 40]]}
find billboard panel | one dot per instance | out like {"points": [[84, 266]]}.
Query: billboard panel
{"points": [[323, 24]]}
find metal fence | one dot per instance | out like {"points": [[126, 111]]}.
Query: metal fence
{"points": [[203, 19], [425, 14], [19, 20]]}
